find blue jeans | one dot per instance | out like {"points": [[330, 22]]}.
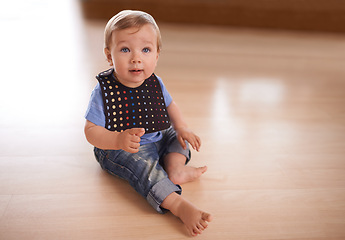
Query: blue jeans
{"points": [[144, 170]]}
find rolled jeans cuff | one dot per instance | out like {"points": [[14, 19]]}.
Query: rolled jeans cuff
{"points": [[160, 191]]}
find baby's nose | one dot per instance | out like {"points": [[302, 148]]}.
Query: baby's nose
{"points": [[136, 59]]}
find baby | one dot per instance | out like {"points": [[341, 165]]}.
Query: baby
{"points": [[135, 126]]}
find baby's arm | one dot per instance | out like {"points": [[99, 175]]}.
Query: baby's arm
{"points": [[182, 130], [102, 138]]}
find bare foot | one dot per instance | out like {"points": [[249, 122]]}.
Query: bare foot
{"points": [[184, 174], [194, 219], [178, 172]]}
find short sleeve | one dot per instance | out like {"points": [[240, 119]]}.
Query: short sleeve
{"points": [[166, 95], [95, 110]]}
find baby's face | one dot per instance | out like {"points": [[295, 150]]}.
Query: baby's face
{"points": [[134, 55]]}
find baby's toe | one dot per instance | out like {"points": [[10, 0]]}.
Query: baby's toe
{"points": [[207, 217], [204, 224]]}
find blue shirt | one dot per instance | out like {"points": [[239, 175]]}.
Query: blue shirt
{"points": [[95, 111]]}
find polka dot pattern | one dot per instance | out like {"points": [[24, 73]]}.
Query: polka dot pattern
{"points": [[141, 107]]}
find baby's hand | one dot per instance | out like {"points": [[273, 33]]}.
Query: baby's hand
{"points": [[186, 134], [129, 140]]}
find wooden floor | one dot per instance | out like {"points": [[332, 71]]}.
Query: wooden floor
{"points": [[268, 105]]}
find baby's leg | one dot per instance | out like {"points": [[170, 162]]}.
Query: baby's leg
{"points": [[194, 219], [178, 171], [142, 170]]}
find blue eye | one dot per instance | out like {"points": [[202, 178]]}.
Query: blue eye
{"points": [[146, 50], [124, 50]]}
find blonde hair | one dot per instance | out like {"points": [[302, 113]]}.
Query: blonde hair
{"points": [[127, 19]]}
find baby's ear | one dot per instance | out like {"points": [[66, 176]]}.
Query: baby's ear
{"points": [[108, 56]]}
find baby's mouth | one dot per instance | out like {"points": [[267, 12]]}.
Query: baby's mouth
{"points": [[135, 70]]}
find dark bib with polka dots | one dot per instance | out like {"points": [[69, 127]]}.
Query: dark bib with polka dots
{"points": [[141, 107]]}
